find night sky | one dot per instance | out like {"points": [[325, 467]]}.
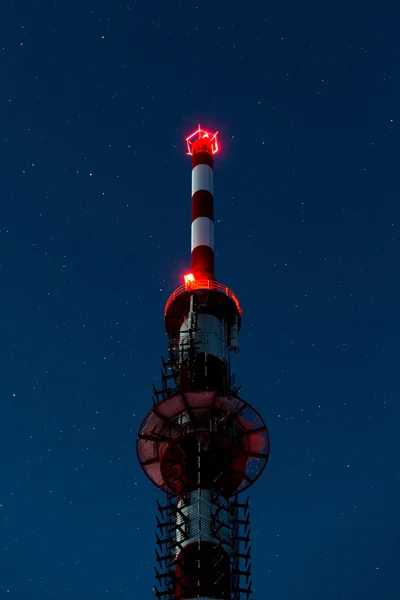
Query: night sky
{"points": [[96, 99]]}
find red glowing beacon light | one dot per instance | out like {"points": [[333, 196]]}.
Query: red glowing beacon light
{"points": [[202, 140], [188, 278]]}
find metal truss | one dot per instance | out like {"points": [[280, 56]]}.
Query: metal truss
{"points": [[232, 536]]}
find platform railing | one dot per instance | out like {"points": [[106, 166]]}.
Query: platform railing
{"points": [[205, 284]]}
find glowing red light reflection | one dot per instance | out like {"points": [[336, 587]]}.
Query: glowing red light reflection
{"points": [[211, 140]]}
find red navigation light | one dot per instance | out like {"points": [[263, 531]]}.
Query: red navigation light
{"points": [[202, 141], [188, 278]]}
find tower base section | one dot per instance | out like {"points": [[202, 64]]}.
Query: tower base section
{"points": [[203, 551], [202, 568]]}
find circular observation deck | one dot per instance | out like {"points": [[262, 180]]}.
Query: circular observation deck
{"points": [[218, 298], [231, 432]]}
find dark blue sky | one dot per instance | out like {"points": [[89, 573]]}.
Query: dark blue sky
{"points": [[95, 101]]}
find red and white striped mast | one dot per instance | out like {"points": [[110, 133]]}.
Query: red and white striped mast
{"points": [[202, 146], [201, 443]]}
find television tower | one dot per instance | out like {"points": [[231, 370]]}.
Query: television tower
{"points": [[201, 443]]}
